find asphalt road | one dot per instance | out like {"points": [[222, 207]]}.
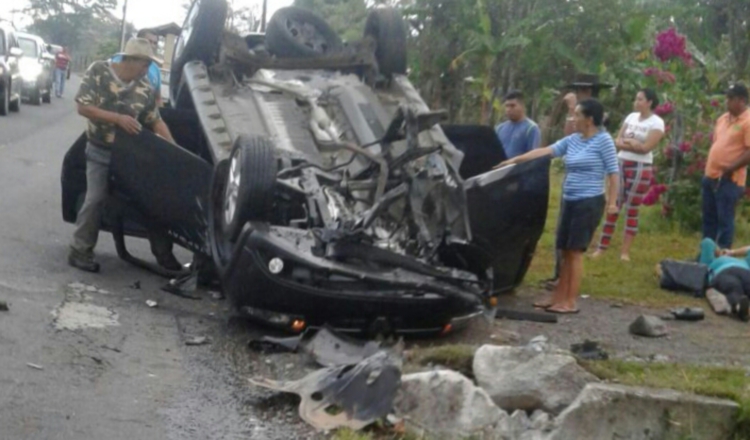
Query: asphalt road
{"points": [[81, 355]]}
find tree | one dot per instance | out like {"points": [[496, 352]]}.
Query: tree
{"points": [[346, 17]]}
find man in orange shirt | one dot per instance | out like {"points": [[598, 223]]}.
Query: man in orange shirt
{"points": [[726, 168]]}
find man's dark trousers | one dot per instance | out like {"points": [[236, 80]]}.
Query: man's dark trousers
{"points": [[720, 197]]}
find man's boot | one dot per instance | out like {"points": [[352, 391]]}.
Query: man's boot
{"points": [[83, 262]]}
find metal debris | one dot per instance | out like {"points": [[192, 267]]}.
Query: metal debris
{"points": [[180, 286], [352, 396], [197, 340]]}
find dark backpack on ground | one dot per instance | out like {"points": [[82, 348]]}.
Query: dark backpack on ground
{"points": [[684, 276]]}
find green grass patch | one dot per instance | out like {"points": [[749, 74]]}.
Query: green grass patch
{"points": [[633, 282], [458, 357], [722, 382]]}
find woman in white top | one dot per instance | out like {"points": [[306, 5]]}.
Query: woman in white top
{"points": [[638, 137]]}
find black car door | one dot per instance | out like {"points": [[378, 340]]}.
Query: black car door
{"points": [[507, 207]]}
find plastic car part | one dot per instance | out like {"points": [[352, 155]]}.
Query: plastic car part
{"points": [[386, 26], [296, 32], [248, 194], [200, 37], [350, 396]]}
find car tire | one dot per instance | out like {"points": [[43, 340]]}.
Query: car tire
{"points": [[251, 179], [284, 38], [201, 40], [47, 96], [387, 27], [5, 102], [15, 106], [221, 247], [35, 98]]}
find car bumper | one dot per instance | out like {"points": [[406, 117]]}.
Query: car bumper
{"points": [[310, 291]]}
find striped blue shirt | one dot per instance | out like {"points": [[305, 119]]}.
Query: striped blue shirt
{"points": [[587, 162]]}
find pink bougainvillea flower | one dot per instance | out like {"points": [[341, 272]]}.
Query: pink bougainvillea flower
{"points": [[664, 109], [670, 44], [650, 71], [685, 147], [650, 198], [698, 136], [715, 103]]}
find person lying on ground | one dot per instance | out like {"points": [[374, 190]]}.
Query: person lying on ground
{"points": [[729, 273], [590, 155]]}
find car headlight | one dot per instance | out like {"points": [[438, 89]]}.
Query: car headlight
{"points": [[30, 69]]}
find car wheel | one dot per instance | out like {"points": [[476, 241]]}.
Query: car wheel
{"points": [[251, 179], [47, 96], [296, 32], [221, 247], [35, 97], [4, 102], [200, 37], [15, 106], [387, 27]]}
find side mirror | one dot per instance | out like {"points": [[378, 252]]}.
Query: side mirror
{"points": [[16, 52]]}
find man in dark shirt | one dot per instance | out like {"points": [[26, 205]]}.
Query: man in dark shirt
{"points": [[114, 95]]}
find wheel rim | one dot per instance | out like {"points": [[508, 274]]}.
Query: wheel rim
{"points": [[307, 34], [187, 30], [231, 195]]}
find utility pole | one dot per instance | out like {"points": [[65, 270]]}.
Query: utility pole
{"points": [[124, 25]]}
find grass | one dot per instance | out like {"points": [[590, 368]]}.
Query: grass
{"points": [[457, 357], [634, 282]]}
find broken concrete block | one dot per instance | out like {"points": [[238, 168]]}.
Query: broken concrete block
{"points": [[649, 326], [605, 411], [522, 378], [445, 404]]}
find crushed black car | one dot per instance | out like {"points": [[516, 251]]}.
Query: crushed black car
{"points": [[316, 182]]}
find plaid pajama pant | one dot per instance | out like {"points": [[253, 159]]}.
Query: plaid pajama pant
{"points": [[635, 180]]}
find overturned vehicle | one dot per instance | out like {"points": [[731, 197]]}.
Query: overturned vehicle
{"points": [[318, 184]]}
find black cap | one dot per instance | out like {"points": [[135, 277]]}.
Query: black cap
{"points": [[737, 91]]}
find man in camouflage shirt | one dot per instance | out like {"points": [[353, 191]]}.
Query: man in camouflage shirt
{"points": [[115, 95]]}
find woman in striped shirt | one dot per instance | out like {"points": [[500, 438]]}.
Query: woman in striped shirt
{"points": [[590, 156]]}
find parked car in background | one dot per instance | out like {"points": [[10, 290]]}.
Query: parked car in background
{"points": [[10, 74], [36, 66]]}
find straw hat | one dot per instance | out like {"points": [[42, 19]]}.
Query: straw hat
{"points": [[140, 48]]}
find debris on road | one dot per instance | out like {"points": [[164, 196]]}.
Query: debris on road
{"points": [[197, 340], [649, 326], [518, 315], [216, 294], [589, 350], [352, 396], [270, 344], [4, 306], [180, 286], [136, 285], [688, 313], [35, 366], [326, 347], [151, 303]]}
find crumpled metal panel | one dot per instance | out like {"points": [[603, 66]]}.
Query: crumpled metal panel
{"points": [[352, 396]]}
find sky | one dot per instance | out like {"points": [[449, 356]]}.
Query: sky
{"points": [[144, 13]]}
